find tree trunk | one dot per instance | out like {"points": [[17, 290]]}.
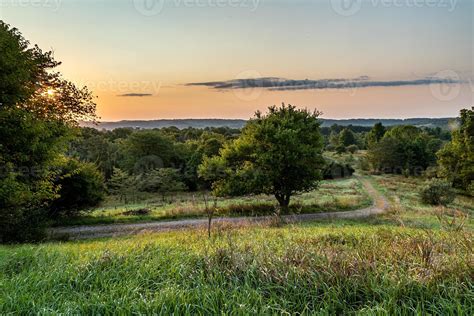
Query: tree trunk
{"points": [[209, 224], [284, 201]]}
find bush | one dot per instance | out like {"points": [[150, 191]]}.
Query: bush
{"points": [[330, 147], [340, 149], [337, 170], [22, 216], [81, 187], [437, 192], [470, 189], [352, 149]]}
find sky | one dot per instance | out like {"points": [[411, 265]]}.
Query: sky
{"points": [[157, 59]]}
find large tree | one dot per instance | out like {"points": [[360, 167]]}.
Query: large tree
{"points": [[38, 109], [456, 158], [278, 153]]}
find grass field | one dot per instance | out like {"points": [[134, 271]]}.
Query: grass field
{"points": [[408, 210], [331, 196], [402, 262], [335, 267]]}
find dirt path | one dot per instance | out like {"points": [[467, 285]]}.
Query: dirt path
{"points": [[84, 232]]}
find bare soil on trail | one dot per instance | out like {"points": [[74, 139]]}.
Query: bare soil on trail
{"points": [[380, 205]]}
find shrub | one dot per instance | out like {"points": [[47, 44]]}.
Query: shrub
{"points": [[330, 147], [81, 186], [352, 149], [340, 149], [336, 170], [22, 217], [137, 212], [163, 181], [437, 192], [470, 189]]}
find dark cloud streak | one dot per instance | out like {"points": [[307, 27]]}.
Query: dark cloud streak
{"points": [[281, 84], [135, 95]]}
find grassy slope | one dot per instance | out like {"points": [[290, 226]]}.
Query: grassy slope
{"points": [[403, 262], [406, 207], [336, 195], [333, 267]]}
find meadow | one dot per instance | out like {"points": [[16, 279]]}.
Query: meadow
{"points": [[334, 267], [406, 261], [407, 209], [331, 196]]}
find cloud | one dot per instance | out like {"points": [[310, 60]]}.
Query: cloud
{"points": [[280, 84], [135, 95]]}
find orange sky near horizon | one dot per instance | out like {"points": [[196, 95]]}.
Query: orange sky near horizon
{"points": [[198, 102]]}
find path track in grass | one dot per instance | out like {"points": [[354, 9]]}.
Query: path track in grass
{"points": [[379, 206]]}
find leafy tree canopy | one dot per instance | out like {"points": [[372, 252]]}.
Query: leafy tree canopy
{"points": [[404, 149], [38, 107], [278, 153], [456, 158]]}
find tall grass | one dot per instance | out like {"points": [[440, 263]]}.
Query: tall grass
{"points": [[326, 269], [332, 196], [407, 207]]}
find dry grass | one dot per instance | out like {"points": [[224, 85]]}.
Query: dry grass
{"points": [[331, 196], [406, 207]]}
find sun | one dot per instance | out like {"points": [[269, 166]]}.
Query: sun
{"points": [[50, 92]]}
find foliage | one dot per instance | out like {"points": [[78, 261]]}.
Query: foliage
{"points": [[376, 134], [146, 150], [163, 181], [81, 187], [91, 145], [347, 138], [37, 109], [437, 192], [404, 150], [208, 145], [121, 184], [456, 158], [336, 170], [279, 153], [352, 149]]}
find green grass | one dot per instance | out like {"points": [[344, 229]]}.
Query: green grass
{"points": [[400, 263], [407, 208], [331, 196], [334, 267]]}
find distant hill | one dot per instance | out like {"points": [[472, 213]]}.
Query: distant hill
{"points": [[179, 123], [420, 122], [202, 123]]}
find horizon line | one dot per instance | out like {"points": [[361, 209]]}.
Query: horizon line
{"points": [[246, 119]]}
